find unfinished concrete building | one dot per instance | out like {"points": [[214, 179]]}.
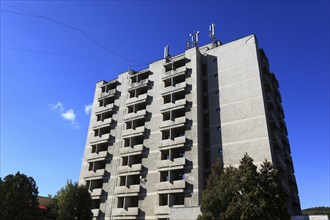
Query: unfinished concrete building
{"points": [[154, 133]]}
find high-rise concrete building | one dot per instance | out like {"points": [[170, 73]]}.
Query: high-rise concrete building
{"points": [[154, 133]]}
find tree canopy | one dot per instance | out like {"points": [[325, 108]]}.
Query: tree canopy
{"points": [[73, 202], [317, 211], [19, 198], [243, 193]]}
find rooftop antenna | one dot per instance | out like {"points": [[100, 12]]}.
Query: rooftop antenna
{"points": [[212, 32], [167, 52], [196, 38], [192, 39]]}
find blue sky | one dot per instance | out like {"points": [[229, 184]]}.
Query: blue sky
{"points": [[53, 53]]}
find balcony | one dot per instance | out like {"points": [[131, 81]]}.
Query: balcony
{"points": [[140, 98], [96, 193], [110, 93], [271, 101], [127, 190], [178, 184], [96, 156], [135, 168], [177, 105], [136, 149], [95, 212], [277, 140], [142, 83], [130, 211], [178, 71], [280, 162], [102, 138], [104, 123], [169, 123], [274, 120], [133, 132], [162, 210], [286, 140], [181, 161], [102, 109], [178, 87], [97, 173], [134, 115], [178, 141]]}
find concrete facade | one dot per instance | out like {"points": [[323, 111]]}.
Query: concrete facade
{"points": [[154, 134]]}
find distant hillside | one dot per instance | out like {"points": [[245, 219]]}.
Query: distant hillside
{"points": [[317, 211]]}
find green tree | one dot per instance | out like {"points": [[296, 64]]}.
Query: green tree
{"points": [[19, 198], [244, 193], [73, 202]]}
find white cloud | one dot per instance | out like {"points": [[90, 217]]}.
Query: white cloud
{"points": [[69, 115], [58, 106], [88, 109]]}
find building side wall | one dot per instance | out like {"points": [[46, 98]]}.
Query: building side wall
{"points": [[243, 120]]}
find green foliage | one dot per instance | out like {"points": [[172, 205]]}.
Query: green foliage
{"points": [[317, 211], [19, 200], [243, 193], [73, 202]]}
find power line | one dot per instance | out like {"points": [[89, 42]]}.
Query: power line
{"points": [[58, 54], [73, 28]]}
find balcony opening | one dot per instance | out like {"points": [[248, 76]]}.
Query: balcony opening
{"points": [[163, 199], [166, 116], [103, 116], [141, 91], [122, 181], [109, 86], [164, 176], [135, 159], [131, 94], [120, 203], [109, 100], [101, 131], [99, 165], [133, 180], [138, 77], [102, 147], [167, 82], [90, 166], [94, 184], [139, 123], [96, 204], [166, 135], [132, 201], [129, 125], [127, 142], [124, 161], [178, 113], [93, 149], [177, 152], [177, 199], [177, 175], [179, 79], [179, 63], [137, 140], [130, 109], [167, 99], [179, 95], [165, 155], [178, 132], [140, 106]]}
